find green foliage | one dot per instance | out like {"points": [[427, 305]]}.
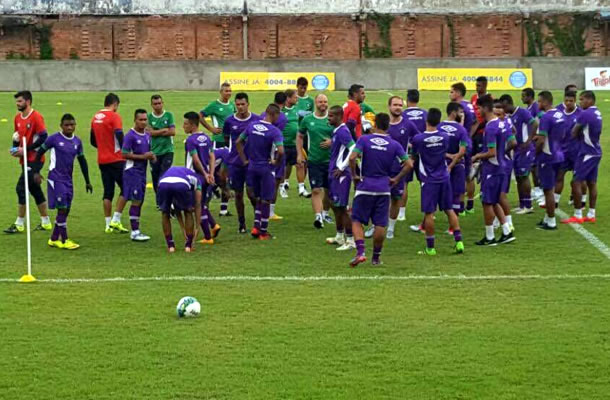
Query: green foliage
{"points": [[44, 34], [570, 39], [535, 40], [384, 24], [452, 40], [74, 55], [12, 55]]}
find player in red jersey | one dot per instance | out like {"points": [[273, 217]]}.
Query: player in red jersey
{"points": [[352, 115], [107, 137], [29, 124]]}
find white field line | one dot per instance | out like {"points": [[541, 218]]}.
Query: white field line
{"points": [[338, 278], [589, 237]]}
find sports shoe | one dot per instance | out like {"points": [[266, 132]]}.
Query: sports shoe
{"points": [[55, 243], [14, 228], [242, 229], [506, 238], [69, 244], [118, 227], [255, 232], [215, 230], [546, 227], [206, 241], [389, 234], [348, 245], [108, 230], [449, 231], [523, 211], [328, 219], [275, 217], [286, 186], [265, 236], [171, 249], [462, 214], [369, 232], [318, 224], [427, 252], [471, 211], [225, 213], [416, 228], [376, 262], [338, 240], [486, 242], [459, 247], [283, 192], [188, 249], [401, 217], [305, 194], [572, 220], [138, 236], [43, 227], [590, 220], [357, 260]]}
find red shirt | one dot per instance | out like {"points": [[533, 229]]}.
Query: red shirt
{"points": [[351, 110], [477, 112], [105, 125], [29, 127]]}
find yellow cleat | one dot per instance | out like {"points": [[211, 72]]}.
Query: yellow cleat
{"points": [[118, 227], [55, 243], [204, 241], [70, 245], [215, 230], [108, 230], [47, 227], [276, 217]]}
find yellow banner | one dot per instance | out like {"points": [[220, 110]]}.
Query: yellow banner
{"points": [[277, 80], [497, 78]]}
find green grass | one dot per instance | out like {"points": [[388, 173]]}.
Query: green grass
{"points": [[509, 339]]}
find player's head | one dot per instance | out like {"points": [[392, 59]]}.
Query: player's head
{"points": [[302, 85], [499, 110], [140, 119], [321, 102], [356, 93], [570, 88], [587, 99], [272, 112], [382, 122], [191, 122], [545, 100], [279, 99], [23, 100], [481, 85], [395, 105], [486, 105], [507, 101], [569, 100], [156, 102], [433, 119], [242, 103], [335, 116], [111, 102], [225, 91], [413, 96], [457, 92], [455, 111], [528, 95], [291, 97], [68, 124]]}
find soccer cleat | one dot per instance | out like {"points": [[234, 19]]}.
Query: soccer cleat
{"points": [[336, 240], [416, 228], [242, 229], [328, 219], [506, 238], [139, 237], [305, 194], [108, 230], [171, 249], [70, 245], [286, 186], [523, 211], [486, 242], [206, 241], [389, 234], [43, 227], [375, 262], [449, 231], [401, 217], [318, 224], [225, 213], [215, 230], [55, 243], [459, 247], [462, 214], [255, 232], [14, 228], [283, 192], [471, 211], [275, 217], [348, 245], [118, 227], [188, 249], [572, 220], [357, 260], [590, 220], [369, 232], [265, 236], [427, 252], [546, 227]]}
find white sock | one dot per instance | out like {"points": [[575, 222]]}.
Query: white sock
{"points": [[108, 219], [324, 213], [591, 213], [19, 221], [578, 212], [537, 189], [116, 217], [506, 228], [489, 232], [546, 219], [319, 216], [45, 220], [550, 221], [584, 198], [286, 182], [509, 220], [557, 197], [402, 211], [136, 232], [301, 187], [496, 222], [392, 224], [272, 209]]}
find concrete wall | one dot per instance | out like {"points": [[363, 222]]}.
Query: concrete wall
{"points": [[549, 73]]}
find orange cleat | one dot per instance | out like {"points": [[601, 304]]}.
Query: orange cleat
{"points": [[573, 220]]}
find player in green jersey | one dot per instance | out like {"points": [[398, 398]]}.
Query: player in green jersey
{"points": [[162, 129], [218, 111], [290, 148], [305, 104]]}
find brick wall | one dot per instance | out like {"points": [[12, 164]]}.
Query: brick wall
{"points": [[269, 37]]}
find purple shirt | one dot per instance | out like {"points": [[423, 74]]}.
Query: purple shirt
{"points": [[221, 156], [136, 143], [200, 144], [378, 154], [417, 116], [552, 125], [339, 151], [591, 122], [569, 144], [432, 148], [509, 135], [403, 132], [458, 136], [534, 109], [469, 115], [281, 121], [494, 137], [234, 127], [63, 150], [521, 120], [181, 175], [262, 138]]}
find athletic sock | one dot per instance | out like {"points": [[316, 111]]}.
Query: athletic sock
{"points": [[19, 221], [506, 228], [430, 242], [402, 212], [324, 213], [527, 202], [108, 219], [391, 225], [205, 225], [134, 217], [557, 197], [241, 220], [257, 216], [189, 241], [56, 229], [360, 247], [224, 207], [584, 198], [211, 219], [170, 241], [348, 232], [116, 217], [470, 204], [461, 210], [301, 187], [319, 217], [272, 209], [591, 213], [509, 220], [457, 235], [489, 232], [376, 252], [45, 220], [265, 210], [550, 221], [286, 182], [578, 212]]}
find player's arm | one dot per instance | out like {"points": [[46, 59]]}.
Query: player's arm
{"points": [[511, 143], [490, 138], [206, 113], [542, 134], [353, 156], [532, 127], [279, 153], [92, 138], [84, 167], [474, 127], [197, 164], [343, 163], [118, 134], [456, 158], [37, 164], [226, 133], [240, 148], [128, 153], [407, 165], [577, 131], [36, 144], [210, 177]]}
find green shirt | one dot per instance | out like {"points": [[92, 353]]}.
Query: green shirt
{"points": [[219, 112], [317, 130], [292, 126], [304, 105], [365, 108], [161, 144]]}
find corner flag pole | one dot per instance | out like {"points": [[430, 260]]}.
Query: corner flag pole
{"points": [[29, 277]]}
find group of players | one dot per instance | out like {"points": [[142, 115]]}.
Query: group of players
{"points": [[339, 147]]}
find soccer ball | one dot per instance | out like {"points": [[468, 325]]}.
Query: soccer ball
{"points": [[188, 307], [16, 137]]}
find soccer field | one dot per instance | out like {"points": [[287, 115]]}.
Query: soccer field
{"points": [[288, 318]]}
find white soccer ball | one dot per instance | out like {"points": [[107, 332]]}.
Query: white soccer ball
{"points": [[16, 137], [188, 307]]}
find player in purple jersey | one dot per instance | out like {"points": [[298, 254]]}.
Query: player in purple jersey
{"points": [[264, 151], [179, 192], [457, 95], [64, 148], [548, 154], [137, 153], [528, 97], [413, 112], [510, 143], [432, 146], [588, 130], [340, 179], [373, 182], [568, 89], [200, 158], [234, 126], [492, 172]]}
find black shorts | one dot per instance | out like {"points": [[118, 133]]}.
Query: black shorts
{"points": [[477, 143], [112, 174], [290, 153], [34, 188], [318, 175]]}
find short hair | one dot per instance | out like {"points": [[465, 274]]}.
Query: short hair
{"points": [[498, 104], [392, 98], [485, 102], [192, 117], [453, 106], [111, 99], [67, 117], [225, 85], [546, 96], [273, 109], [588, 94], [155, 97], [570, 88], [459, 87], [336, 110], [138, 112], [279, 98], [571, 93], [482, 79], [26, 94], [355, 88], [413, 96], [302, 81], [382, 121], [242, 96], [529, 92], [434, 116], [290, 92], [507, 98]]}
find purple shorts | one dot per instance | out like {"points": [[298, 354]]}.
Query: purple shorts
{"points": [[435, 195], [505, 182], [547, 175], [60, 194], [367, 207], [398, 190], [134, 185], [467, 164], [491, 187], [569, 162], [176, 194], [585, 168], [523, 162], [237, 177], [261, 179], [339, 190], [280, 169], [458, 179]]}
